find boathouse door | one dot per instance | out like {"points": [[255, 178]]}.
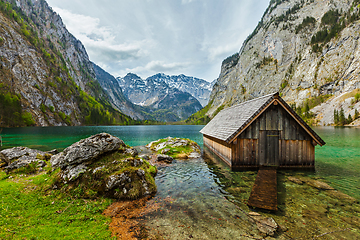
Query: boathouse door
{"points": [[269, 148]]}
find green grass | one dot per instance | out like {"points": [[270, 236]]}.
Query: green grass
{"points": [[31, 209]]}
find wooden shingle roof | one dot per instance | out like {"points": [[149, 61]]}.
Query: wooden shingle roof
{"points": [[229, 122]]}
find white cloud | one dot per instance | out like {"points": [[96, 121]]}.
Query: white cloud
{"points": [[160, 66], [145, 37], [100, 41]]}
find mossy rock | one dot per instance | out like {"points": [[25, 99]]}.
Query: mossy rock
{"points": [[177, 148], [115, 175]]}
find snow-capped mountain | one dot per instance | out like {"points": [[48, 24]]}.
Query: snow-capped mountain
{"points": [[145, 92], [158, 99]]}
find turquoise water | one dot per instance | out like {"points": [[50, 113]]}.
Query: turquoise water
{"points": [[203, 199], [338, 161], [47, 138]]}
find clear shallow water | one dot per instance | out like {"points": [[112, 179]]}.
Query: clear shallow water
{"points": [[203, 199]]}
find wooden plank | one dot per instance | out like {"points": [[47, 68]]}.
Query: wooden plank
{"points": [[291, 148], [268, 119], [256, 144], [264, 192], [251, 155], [312, 151], [275, 119], [241, 152], [288, 160], [234, 159], [262, 147], [309, 145], [300, 151], [257, 129], [283, 152], [254, 130], [281, 119], [246, 152], [263, 122], [287, 128]]}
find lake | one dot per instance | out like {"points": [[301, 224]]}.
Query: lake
{"points": [[208, 201]]}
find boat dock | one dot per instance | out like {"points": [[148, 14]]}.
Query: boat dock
{"points": [[264, 192]]}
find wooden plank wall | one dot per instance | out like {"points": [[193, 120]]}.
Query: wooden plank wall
{"points": [[220, 148], [245, 152], [295, 147], [296, 153]]}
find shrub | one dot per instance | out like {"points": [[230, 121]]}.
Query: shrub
{"points": [[308, 21], [27, 119]]}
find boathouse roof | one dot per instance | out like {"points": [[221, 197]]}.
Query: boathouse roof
{"points": [[231, 122]]}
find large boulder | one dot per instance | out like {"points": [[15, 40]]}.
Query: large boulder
{"points": [[103, 165], [86, 150]]}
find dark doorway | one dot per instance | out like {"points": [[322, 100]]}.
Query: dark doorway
{"points": [[269, 148]]}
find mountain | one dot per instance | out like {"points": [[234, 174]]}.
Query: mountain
{"points": [[157, 100], [307, 50], [46, 77], [198, 88], [114, 91]]}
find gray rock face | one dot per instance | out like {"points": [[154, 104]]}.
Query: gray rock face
{"points": [[18, 157], [86, 149], [164, 158], [117, 181], [132, 151], [279, 56], [72, 172]]}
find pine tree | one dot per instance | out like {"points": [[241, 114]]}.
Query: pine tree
{"points": [[336, 117], [342, 119], [349, 119], [356, 115]]}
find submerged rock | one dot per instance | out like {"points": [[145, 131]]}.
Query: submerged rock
{"points": [[317, 184], [86, 150], [265, 225], [296, 180], [164, 158], [341, 196]]}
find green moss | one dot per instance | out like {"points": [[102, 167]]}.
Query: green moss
{"points": [[92, 182], [176, 152]]}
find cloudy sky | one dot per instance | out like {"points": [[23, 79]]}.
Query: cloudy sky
{"points": [[145, 37]]}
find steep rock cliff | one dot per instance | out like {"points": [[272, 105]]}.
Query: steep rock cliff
{"points": [[114, 91], [306, 49], [45, 71]]}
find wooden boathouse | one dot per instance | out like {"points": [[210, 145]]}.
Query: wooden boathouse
{"points": [[264, 131]]}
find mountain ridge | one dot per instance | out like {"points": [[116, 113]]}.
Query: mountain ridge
{"points": [[156, 100]]}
